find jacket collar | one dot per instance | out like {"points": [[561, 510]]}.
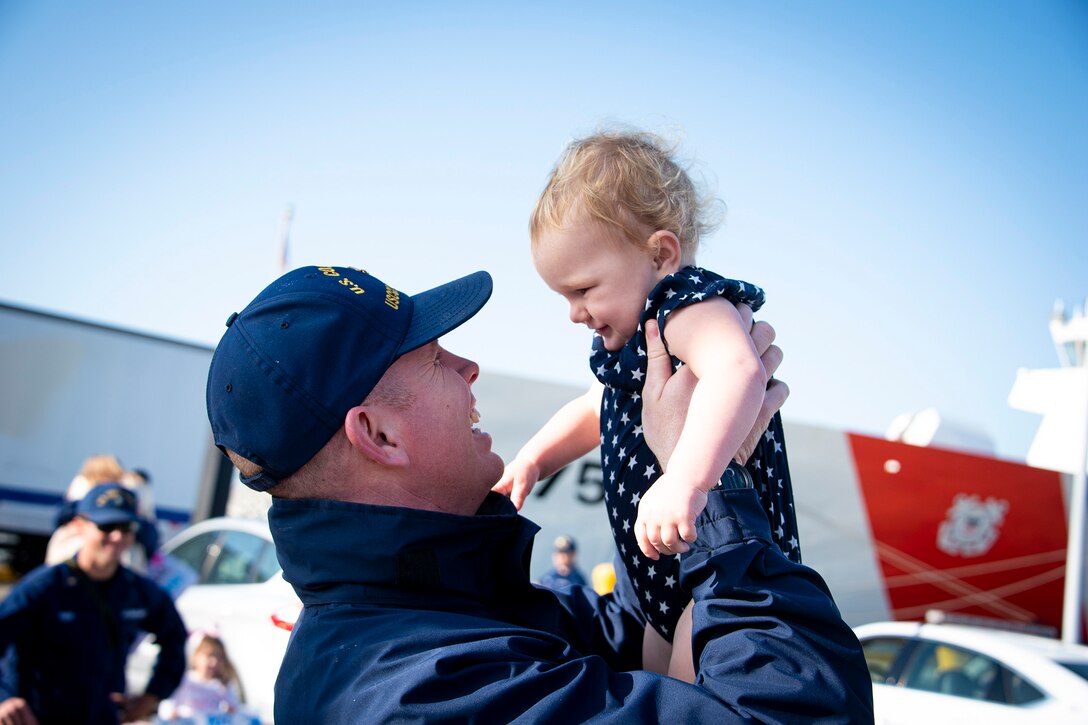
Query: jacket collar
{"points": [[332, 551]]}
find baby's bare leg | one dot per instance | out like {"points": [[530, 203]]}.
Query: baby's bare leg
{"points": [[681, 662], [656, 652]]}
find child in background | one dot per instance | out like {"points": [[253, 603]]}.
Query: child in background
{"points": [[615, 233], [210, 688]]}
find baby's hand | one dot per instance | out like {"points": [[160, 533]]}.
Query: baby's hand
{"points": [[666, 516], [518, 480]]}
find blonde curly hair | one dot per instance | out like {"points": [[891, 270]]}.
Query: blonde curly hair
{"points": [[628, 180]]}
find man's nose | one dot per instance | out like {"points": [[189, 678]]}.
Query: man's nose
{"points": [[468, 369]]}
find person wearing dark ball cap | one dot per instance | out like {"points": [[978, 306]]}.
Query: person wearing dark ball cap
{"points": [[564, 573], [67, 629], [330, 391]]}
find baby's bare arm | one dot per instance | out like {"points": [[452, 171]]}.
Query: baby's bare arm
{"points": [[672, 503], [666, 396], [571, 433], [713, 341]]}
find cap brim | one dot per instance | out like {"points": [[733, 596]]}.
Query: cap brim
{"points": [[438, 311], [110, 516]]}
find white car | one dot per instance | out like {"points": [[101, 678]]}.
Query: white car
{"points": [[237, 590], [961, 674]]}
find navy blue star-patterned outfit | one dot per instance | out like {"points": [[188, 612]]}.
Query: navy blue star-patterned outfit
{"points": [[630, 467]]}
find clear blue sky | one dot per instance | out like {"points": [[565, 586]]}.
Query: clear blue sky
{"points": [[907, 180]]}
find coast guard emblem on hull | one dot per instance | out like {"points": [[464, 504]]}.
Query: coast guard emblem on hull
{"points": [[972, 525]]}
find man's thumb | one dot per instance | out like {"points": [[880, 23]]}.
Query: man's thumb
{"points": [[658, 364]]}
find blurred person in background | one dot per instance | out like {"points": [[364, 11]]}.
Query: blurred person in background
{"points": [[564, 572], [210, 687], [99, 469], [66, 630], [96, 469]]}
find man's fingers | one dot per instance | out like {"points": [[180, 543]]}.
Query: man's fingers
{"points": [[777, 392], [745, 312], [762, 336], [658, 364], [772, 358]]}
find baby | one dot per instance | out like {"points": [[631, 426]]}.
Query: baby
{"points": [[615, 233]]}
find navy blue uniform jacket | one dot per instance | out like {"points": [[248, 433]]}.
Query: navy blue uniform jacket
{"points": [[67, 659], [421, 617]]}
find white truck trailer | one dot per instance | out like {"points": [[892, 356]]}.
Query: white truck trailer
{"points": [[70, 389]]}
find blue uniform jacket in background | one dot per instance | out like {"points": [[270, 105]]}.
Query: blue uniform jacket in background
{"points": [[63, 658], [416, 616]]}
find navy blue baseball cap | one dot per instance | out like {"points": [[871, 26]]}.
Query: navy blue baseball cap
{"points": [[310, 347], [108, 503]]}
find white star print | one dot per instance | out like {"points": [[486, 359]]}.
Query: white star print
{"points": [[664, 607], [635, 499], [650, 471], [670, 293], [626, 525], [637, 375], [624, 418], [669, 582], [638, 430]]}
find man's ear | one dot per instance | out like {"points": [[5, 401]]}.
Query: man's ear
{"points": [[667, 251], [372, 432]]}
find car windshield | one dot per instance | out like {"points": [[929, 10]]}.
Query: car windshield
{"points": [[1080, 668]]}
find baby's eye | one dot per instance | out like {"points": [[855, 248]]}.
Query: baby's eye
{"points": [[582, 291]]}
